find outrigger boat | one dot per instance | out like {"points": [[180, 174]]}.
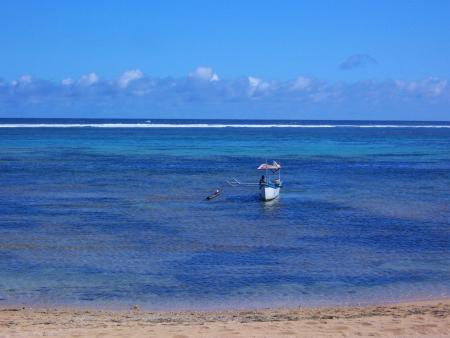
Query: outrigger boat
{"points": [[269, 184]]}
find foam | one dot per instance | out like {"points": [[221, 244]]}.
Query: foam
{"points": [[206, 125]]}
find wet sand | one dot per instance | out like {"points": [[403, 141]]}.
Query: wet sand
{"points": [[430, 319]]}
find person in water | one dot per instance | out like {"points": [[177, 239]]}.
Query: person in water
{"points": [[262, 180]]}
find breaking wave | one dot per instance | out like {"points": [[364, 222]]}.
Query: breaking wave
{"points": [[208, 125]]}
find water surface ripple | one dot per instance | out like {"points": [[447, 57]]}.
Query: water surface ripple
{"points": [[117, 216]]}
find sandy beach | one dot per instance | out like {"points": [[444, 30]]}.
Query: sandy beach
{"points": [[428, 318]]}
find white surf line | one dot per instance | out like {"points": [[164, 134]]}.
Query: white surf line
{"points": [[167, 125]]}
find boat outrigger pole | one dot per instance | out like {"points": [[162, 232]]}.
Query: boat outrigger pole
{"points": [[269, 184], [235, 183]]}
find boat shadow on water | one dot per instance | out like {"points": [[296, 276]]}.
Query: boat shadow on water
{"points": [[270, 206], [254, 201]]}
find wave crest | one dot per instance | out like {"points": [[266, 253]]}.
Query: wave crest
{"points": [[207, 125]]}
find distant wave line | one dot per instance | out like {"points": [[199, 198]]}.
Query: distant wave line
{"points": [[206, 125]]}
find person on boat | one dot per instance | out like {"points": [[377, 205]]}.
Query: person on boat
{"points": [[262, 180]]}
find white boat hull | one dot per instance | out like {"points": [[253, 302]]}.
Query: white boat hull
{"points": [[269, 193]]}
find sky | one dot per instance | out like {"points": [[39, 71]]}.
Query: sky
{"points": [[372, 60]]}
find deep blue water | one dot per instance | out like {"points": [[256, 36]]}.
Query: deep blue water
{"points": [[117, 216]]}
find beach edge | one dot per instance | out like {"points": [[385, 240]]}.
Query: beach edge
{"points": [[416, 318]]}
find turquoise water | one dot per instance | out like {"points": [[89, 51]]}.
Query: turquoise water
{"points": [[97, 215]]}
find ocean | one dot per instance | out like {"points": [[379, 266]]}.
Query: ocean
{"points": [[111, 213]]}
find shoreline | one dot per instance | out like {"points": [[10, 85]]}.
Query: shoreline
{"points": [[412, 318], [200, 308]]}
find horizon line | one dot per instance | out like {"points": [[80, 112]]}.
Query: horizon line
{"points": [[212, 119]]}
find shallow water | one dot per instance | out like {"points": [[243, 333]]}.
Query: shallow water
{"points": [[117, 216]]}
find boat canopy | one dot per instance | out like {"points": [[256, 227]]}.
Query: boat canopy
{"points": [[266, 166]]}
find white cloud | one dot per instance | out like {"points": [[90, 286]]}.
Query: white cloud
{"points": [[253, 81], [67, 82], [301, 83], [88, 79], [438, 87], [430, 86], [255, 84], [204, 73], [196, 90], [409, 86], [129, 76], [23, 80]]}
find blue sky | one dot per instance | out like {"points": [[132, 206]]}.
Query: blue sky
{"points": [[226, 59]]}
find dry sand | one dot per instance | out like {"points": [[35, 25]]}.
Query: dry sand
{"points": [[429, 319]]}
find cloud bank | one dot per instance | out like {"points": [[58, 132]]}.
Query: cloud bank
{"points": [[203, 94]]}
